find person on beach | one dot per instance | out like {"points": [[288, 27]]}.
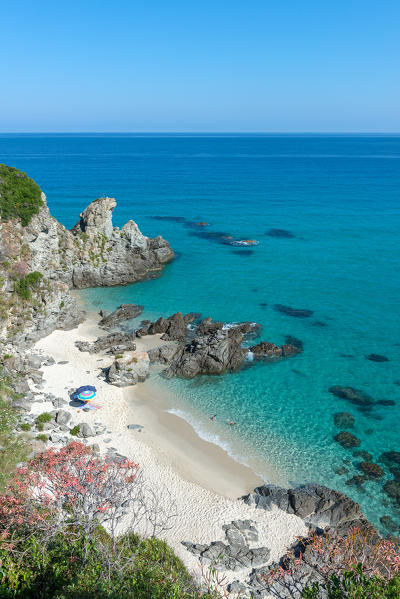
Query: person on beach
{"points": [[213, 417]]}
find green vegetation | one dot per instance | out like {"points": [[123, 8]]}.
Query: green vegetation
{"points": [[71, 567], [41, 419], [118, 356], [75, 430], [354, 584], [12, 448], [23, 286], [62, 304], [20, 196], [7, 356], [42, 437], [25, 426]]}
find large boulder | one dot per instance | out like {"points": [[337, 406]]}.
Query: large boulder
{"points": [[124, 312], [113, 344], [132, 368], [264, 349], [212, 354], [317, 505]]}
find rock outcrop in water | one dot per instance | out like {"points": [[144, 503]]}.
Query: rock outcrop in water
{"points": [[41, 261], [319, 506], [121, 314]]}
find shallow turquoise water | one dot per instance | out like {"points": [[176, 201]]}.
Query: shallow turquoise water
{"points": [[338, 195]]}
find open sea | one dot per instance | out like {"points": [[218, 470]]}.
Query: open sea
{"points": [[340, 198]]}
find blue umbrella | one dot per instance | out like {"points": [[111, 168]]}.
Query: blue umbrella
{"points": [[85, 393]]}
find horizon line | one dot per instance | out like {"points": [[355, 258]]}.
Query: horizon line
{"points": [[199, 133]]}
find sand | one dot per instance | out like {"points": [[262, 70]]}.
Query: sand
{"points": [[198, 478]]}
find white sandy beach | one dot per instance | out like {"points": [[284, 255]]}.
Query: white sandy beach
{"points": [[200, 478]]}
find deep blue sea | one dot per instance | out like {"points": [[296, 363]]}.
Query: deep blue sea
{"points": [[340, 197]]}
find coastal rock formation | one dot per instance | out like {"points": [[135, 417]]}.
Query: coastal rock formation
{"points": [[131, 368], [41, 260], [208, 347], [213, 353], [235, 554], [124, 312], [173, 328], [317, 505], [111, 344]]}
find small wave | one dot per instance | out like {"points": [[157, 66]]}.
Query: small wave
{"points": [[214, 438], [199, 430]]}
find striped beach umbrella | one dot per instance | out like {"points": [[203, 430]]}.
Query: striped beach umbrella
{"points": [[85, 393]]}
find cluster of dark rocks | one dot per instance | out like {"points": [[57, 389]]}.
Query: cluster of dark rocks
{"points": [[235, 554], [324, 511], [207, 347], [113, 343]]}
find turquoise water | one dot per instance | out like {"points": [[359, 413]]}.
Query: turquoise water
{"points": [[339, 195]]}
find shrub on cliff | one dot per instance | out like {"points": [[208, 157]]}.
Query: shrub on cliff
{"points": [[53, 539], [24, 286], [20, 196], [354, 584], [357, 565]]}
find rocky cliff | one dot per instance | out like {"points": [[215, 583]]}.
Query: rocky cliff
{"points": [[40, 260]]}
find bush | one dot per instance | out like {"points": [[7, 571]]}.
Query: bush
{"points": [[42, 437], [13, 448], [44, 417], [23, 286], [25, 426], [338, 567], [354, 584], [75, 430], [70, 568], [52, 540], [20, 196]]}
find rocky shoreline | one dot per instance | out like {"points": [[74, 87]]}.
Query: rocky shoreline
{"points": [[42, 262]]}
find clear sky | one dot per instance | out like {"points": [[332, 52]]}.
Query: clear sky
{"points": [[221, 65]]}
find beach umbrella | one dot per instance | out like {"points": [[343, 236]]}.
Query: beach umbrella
{"points": [[85, 393]]}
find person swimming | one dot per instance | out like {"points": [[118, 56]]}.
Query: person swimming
{"points": [[230, 422], [213, 417]]}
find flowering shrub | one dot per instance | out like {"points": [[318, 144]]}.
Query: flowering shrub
{"points": [[60, 532], [321, 559]]}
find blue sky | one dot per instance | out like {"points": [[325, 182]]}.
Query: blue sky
{"points": [[200, 66]]}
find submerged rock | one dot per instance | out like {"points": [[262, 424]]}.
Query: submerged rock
{"points": [[124, 312], [392, 489], [377, 358], [343, 420], [347, 440], [364, 455], [371, 470], [296, 312], [282, 233], [356, 396], [389, 523], [390, 458]]}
